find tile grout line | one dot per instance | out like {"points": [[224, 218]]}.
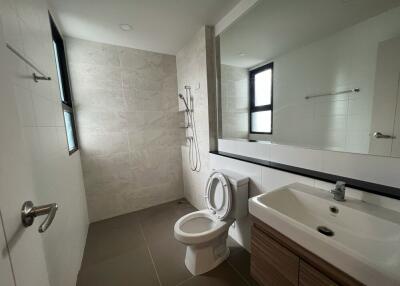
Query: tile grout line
{"points": [[238, 272], [148, 250], [7, 248], [184, 281]]}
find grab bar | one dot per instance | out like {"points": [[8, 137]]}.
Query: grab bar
{"points": [[333, 93], [36, 77]]}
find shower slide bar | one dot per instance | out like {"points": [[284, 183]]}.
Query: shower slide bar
{"points": [[333, 93], [36, 77]]}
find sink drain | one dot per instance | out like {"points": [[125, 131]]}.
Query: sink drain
{"points": [[325, 230]]}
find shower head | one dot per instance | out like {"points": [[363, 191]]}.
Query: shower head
{"points": [[184, 101]]}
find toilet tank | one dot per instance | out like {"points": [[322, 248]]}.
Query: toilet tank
{"points": [[240, 193]]}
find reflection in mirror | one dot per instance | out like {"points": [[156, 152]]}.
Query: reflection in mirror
{"points": [[317, 74]]}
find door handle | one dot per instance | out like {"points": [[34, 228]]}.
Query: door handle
{"points": [[29, 212], [379, 135]]}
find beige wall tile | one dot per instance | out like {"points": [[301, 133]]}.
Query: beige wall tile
{"points": [[128, 121]]}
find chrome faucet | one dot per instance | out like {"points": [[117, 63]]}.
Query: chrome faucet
{"points": [[339, 191]]}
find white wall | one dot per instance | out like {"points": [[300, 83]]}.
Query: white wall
{"points": [[381, 170], [57, 177], [126, 108], [195, 68], [6, 276], [342, 61], [234, 102]]}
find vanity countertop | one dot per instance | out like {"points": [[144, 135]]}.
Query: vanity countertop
{"points": [[360, 239]]}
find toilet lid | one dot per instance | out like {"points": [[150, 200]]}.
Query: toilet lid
{"points": [[218, 195]]}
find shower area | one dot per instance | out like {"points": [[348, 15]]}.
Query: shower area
{"points": [[141, 144], [128, 126]]}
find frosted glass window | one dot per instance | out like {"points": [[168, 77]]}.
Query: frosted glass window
{"points": [[261, 121], [64, 87], [68, 120], [262, 88]]}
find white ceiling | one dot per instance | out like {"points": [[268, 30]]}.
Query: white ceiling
{"points": [[274, 27], [162, 26]]}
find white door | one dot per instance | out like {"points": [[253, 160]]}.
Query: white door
{"points": [[396, 132], [386, 99], [16, 186], [6, 276]]}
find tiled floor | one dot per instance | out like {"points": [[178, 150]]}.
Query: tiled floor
{"points": [[140, 249]]}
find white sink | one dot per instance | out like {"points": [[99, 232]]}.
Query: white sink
{"points": [[366, 240]]}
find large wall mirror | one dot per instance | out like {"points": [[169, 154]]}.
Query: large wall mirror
{"points": [[318, 74]]}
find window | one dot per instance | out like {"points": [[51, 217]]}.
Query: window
{"points": [[261, 99], [64, 88]]}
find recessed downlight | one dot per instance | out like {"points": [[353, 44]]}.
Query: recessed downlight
{"points": [[125, 27]]}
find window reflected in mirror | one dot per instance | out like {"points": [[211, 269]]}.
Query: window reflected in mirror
{"points": [[325, 76]]}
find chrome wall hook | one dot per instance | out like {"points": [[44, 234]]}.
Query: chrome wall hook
{"points": [[36, 77]]}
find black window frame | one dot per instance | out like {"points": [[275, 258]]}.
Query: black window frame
{"points": [[253, 108], [67, 102]]}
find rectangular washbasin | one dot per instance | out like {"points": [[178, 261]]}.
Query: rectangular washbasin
{"points": [[359, 238]]}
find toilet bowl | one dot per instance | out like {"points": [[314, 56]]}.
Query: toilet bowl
{"points": [[205, 232]]}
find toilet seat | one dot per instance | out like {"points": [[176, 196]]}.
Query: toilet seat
{"points": [[205, 232], [218, 195], [185, 227]]}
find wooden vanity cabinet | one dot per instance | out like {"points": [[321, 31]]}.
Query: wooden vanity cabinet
{"points": [[278, 261], [308, 275]]}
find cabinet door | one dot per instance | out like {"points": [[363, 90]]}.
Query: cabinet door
{"points": [[271, 263], [311, 276]]}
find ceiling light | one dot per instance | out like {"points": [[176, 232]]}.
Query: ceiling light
{"points": [[125, 27], [241, 54]]}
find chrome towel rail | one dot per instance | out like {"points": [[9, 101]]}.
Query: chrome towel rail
{"points": [[333, 93], [36, 77]]}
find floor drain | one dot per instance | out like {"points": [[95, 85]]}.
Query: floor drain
{"points": [[325, 230]]}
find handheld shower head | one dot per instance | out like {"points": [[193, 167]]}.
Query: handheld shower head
{"points": [[184, 101]]}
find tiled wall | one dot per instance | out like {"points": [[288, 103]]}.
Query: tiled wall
{"points": [[194, 67], [54, 175], [126, 106], [235, 102], [376, 169]]}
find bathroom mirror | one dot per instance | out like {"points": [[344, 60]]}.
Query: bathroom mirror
{"points": [[312, 73]]}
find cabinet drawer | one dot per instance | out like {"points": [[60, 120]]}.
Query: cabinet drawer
{"points": [[311, 276], [271, 263]]}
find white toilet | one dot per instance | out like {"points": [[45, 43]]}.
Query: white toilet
{"points": [[205, 232]]}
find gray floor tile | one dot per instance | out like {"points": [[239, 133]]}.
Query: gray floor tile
{"points": [[239, 259], [223, 275], [169, 258], [132, 268], [117, 252], [112, 237], [158, 222]]}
